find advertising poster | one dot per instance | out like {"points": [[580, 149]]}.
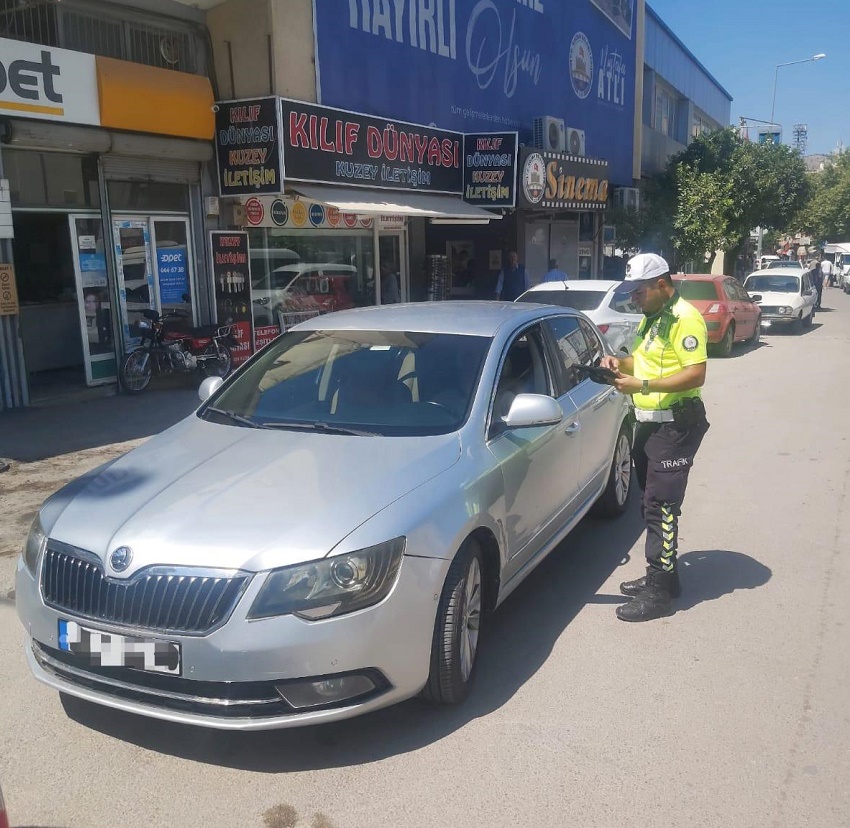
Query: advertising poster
{"points": [[263, 334], [232, 276], [487, 65], [247, 147], [489, 171], [336, 146], [173, 274], [562, 182]]}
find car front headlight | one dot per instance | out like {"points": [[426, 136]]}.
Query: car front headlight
{"points": [[331, 586], [786, 310], [34, 545]]}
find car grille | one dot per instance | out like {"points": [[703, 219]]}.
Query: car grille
{"points": [[771, 309], [174, 600]]}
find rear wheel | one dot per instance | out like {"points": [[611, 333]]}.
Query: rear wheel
{"points": [[755, 339], [136, 371], [218, 360], [724, 348], [457, 629], [612, 502]]}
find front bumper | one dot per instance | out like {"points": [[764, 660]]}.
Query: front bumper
{"points": [[779, 321], [228, 676]]}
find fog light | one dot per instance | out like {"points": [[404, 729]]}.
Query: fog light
{"points": [[327, 691]]}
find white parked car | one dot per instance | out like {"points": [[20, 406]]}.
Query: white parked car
{"points": [[786, 296], [616, 316]]}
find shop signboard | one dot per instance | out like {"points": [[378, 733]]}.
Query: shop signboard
{"points": [[173, 274], [486, 65], [557, 181], [335, 146], [231, 270], [299, 214], [489, 169], [8, 291], [247, 147], [48, 84]]}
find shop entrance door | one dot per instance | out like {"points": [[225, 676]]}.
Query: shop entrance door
{"points": [[153, 262], [563, 246], [94, 300], [394, 286]]}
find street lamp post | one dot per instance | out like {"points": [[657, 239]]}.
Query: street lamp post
{"points": [[776, 77]]}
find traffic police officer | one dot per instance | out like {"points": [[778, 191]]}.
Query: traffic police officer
{"points": [[664, 376]]}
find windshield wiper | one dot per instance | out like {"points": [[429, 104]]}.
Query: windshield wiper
{"points": [[324, 428], [236, 418]]}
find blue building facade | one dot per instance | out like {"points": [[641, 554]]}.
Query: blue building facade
{"points": [[681, 98]]}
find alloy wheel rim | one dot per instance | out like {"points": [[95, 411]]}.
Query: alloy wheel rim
{"points": [[471, 618], [622, 470]]}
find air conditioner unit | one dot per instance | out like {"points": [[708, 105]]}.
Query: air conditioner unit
{"points": [[627, 197], [576, 144], [549, 134]]}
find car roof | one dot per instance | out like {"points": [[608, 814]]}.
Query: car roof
{"points": [[473, 318], [599, 285], [699, 277], [777, 271], [300, 267]]}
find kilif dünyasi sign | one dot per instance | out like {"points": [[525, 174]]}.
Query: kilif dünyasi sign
{"points": [[556, 181], [335, 146], [247, 143], [48, 84], [489, 169]]}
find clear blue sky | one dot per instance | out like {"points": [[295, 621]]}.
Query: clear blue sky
{"points": [[741, 41]]}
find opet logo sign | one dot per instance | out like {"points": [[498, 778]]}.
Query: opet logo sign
{"points": [[48, 84]]}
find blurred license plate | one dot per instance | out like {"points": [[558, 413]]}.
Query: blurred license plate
{"points": [[102, 649]]}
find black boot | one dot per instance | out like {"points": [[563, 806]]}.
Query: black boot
{"points": [[632, 588], [653, 602]]}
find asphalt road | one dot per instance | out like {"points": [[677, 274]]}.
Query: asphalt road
{"points": [[733, 712]]}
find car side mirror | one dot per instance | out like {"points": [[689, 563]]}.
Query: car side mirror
{"points": [[755, 297], [208, 387], [528, 410]]}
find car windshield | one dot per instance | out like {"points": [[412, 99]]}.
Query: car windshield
{"points": [[583, 300], [774, 284], [697, 290], [772, 265], [389, 383]]}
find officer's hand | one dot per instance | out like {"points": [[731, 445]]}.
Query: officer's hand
{"points": [[611, 363], [627, 385]]}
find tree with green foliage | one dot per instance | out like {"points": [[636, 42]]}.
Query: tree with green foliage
{"points": [[826, 216]]}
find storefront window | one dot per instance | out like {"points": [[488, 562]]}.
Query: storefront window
{"points": [[148, 196], [296, 273], [51, 179]]}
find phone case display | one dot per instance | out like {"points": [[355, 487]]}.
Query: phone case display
{"points": [[438, 277], [232, 277]]}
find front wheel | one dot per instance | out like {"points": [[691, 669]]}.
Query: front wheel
{"points": [[136, 371], [613, 500], [218, 360], [457, 629], [810, 319]]}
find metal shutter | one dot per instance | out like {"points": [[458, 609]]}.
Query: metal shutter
{"points": [[120, 168]]}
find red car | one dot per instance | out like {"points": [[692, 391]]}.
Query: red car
{"points": [[730, 314]]}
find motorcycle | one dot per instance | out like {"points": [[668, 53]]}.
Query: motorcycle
{"points": [[162, 351]]}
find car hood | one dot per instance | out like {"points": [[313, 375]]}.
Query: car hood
{"points": [[770, 297], [203, 494]]}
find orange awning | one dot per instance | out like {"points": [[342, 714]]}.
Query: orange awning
{"points": [[161, 101]]}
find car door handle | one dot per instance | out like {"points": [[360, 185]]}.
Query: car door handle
{"points": [[611, 395], [572, 428]]}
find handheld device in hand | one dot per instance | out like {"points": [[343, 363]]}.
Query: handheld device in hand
{"points": [[604, 376]]}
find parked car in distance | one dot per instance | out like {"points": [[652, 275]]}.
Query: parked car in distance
{"points": [[617, 317], [328, 533], [730, 313], [785, 263], [787, 297], [304, 286]]}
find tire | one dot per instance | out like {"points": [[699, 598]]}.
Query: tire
{"points": [[457, 629], [136, 371], [755, 340], [724, 347], [614, 500], [810, 319], [223, 362]]}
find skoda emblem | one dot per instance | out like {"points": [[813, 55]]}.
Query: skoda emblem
{"points": [[120, 558]]}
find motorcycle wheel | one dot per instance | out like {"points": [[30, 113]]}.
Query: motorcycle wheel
{"points": [[136, 371], [221, 362]]}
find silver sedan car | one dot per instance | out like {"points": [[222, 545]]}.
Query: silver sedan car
{"points": [[328, 533]]}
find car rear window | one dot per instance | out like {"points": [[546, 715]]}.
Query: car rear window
{"points": [[583, 300], [700, 291]]}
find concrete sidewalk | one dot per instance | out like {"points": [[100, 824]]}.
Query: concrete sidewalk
{"points": [[32, 434]]}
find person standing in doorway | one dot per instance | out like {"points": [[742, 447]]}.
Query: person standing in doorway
{"points": [[513, 280], [664, 376], [555, 274]]}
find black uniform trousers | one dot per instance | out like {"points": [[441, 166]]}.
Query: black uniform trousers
{"points": [[663, 455]]}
